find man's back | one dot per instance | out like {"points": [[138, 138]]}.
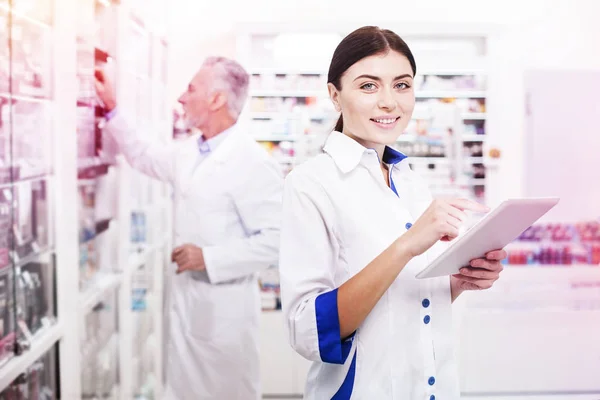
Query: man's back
{"points": [[227, 213]]}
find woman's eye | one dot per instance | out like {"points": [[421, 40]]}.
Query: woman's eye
{"points": [[368, 86], [402, 85]]}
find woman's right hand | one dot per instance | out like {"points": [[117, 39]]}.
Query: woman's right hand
{"points": [[440, 221]]}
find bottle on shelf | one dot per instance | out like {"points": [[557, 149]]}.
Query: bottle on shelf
{"points": [[557, 244]]}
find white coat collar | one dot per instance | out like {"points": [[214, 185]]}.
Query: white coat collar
{"points": [[218, 157], [347, 152], [221, 149], [209, 145]]}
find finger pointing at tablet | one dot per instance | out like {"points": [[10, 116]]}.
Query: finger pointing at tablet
{"points": [[440, 221], [465, 204], [485, 239]]}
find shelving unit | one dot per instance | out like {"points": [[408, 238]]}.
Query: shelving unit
{"points": [[28, 183], [474, 116], [52, 154], [42, 343], [146, 203], [289, 102], [103, 284], [450, 94]]}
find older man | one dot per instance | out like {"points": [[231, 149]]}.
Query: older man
{"points": [[227, 209]]}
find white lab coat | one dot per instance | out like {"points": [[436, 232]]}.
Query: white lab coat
{"points": [[229, 205], [338, 215]]}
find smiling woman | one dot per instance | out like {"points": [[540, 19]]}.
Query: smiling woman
{"points": [[352, 242], [370, 82]]}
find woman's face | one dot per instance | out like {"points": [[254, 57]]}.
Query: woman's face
{"points": [[377, 99]]}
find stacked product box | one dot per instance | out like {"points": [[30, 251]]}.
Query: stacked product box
{"points": [[557, 244]]}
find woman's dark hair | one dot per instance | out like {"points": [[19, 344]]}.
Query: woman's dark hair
{"points": [[364, 42]]}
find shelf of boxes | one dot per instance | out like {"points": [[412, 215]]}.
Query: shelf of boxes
{"points": [[99, 347], [146, 205], [276, 138], [41, 343], [551, 267], [557, 244], [473, 138], [288, 93], [474, 116], [28, 195], [51, 89], [93, 295]]}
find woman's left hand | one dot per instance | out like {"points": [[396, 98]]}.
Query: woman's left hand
{"points": [[480, 275]]}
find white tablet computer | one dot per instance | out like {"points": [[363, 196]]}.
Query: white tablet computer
{"points": [[493, 232]]}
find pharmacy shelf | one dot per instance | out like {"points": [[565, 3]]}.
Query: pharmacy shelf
{"points": [[476, 181], [29, 179], [33, 256], [560, 270], [467, 116], [429, 160], [288, 93], [308, 71], [94, 294], [40, 344], [138, 258], [293, 115], [407, 137], [453, 72], [441, 185], [473, 138], [284, 89], [435, 174], [276, 138], [475, 116], [23, 16], [142, 256], [72, 303], [411, 137], [443, 94], [286, 71], [30, 99], [101, 227], [273, 115], [467, 94], [474, 160]]}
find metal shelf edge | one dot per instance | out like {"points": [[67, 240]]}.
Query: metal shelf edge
{"points": [[93, 295], [42, 342]]}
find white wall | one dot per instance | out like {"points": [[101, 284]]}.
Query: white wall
{"points": [[564, 34], [201, 28]]}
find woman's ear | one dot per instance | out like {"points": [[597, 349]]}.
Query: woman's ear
{"points": [[334, 95]]}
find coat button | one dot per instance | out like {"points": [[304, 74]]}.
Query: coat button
{"points": [[432, 397], [408, 225], [427, 319], [425, 303], [431, 381]]}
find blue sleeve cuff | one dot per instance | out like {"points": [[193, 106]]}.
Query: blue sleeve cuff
{"points": [[331, 347], [109, 115]]}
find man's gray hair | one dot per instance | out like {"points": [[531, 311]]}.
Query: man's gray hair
{"points": [[233, 79]]}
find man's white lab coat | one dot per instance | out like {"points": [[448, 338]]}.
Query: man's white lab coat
{"points": [[228, 203]]}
